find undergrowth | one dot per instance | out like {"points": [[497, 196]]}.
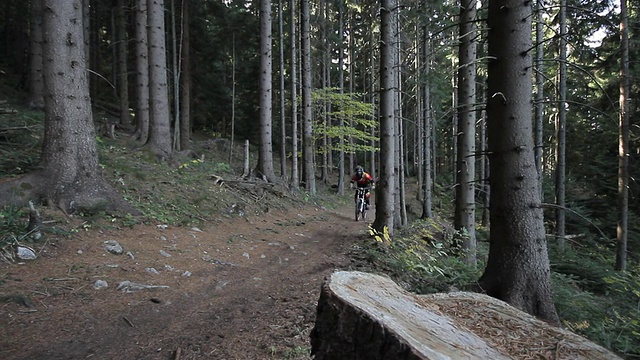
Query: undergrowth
{"points": [[595, 301], [195, 187], [592, 300]]}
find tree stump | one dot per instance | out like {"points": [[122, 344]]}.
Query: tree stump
{"points": [[366, 316]]}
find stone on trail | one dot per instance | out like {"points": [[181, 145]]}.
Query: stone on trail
{"points": [[113, 247], [25, 253], [100, 284], [130, 286]]}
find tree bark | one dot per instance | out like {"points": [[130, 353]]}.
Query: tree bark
{"points": [[484, 167], [373, 89], [561, 130], [36, 82], [465, 209], [518, 270], [295, 178], [185, 79], [427, 164], [623, 143], [539, 104], [71, 177], [86, 29], [364, 316], [160, 128], [283, 122], [399, 169], [307, 136], [122, 42], [326, 83], [341, 157], [385, 187], [142, 73], [264, 168], [246, 171], [176, 48]]}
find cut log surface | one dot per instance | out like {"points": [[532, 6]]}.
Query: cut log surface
{"points": [[366, 316]]}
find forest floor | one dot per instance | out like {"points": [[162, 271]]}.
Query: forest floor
{"points": [[243, 287]]}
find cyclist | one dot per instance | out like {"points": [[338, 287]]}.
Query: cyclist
{"points": [[363, 179]]}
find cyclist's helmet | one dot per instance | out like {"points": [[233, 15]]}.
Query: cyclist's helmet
{"points": [[359, 171]]}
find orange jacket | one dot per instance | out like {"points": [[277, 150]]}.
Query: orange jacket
{"points": [[364, 181]]}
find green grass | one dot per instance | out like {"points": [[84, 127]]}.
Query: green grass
{"points": [[592, 300]]}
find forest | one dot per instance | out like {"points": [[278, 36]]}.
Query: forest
{"points": [[516, 122]]}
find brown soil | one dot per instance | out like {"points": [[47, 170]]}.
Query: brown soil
{"points": [[239, 288]]}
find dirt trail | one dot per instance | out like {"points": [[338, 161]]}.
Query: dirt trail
{"points": [[240, 288]]}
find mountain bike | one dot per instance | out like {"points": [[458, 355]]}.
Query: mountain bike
{"points": [[361, 203]]}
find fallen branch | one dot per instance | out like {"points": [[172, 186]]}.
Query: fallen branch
{"points": [[24, 127], [127, 321]]}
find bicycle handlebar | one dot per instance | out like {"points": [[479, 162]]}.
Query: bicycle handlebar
{"points": [[363, 188]]}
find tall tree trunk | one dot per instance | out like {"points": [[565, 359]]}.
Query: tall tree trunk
{"points": [[623, 143], [341, 52], [142, 73], [86, 29], [327, 161], [160, 128], [307, 136], [428, 124], [453, 160], [326, 83], [539, 104], [402, 203], [518, 270], [264, 168], [350, 53], [434, 149], [385, 189], [341, 165], [122, 42], [295, 178], [465, 211], [373, 90], [484, 167], [397, 94], [561, 132], [36, 83], [233, 105], [283, 122], [419, 95], [93, 29], [175, 78], [400, 153], [185, 78], [71, 177]]}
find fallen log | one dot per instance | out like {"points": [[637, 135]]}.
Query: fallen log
{"points": [[366, 316]]}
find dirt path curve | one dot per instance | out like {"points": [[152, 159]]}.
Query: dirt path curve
{"points": [[242, 288]]}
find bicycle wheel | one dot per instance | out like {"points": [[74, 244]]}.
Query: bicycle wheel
{"points": [[359, 206]]}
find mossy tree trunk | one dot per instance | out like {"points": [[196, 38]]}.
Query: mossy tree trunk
{"points": [[70, 176]]}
